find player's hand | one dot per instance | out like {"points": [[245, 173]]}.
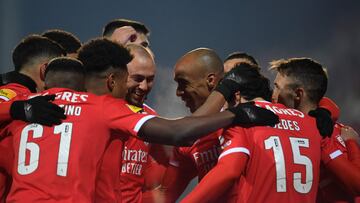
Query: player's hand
{"points": [[38, 110], [229, 84], [324, 122], [249, 114], [124, 35], [348, 133]]}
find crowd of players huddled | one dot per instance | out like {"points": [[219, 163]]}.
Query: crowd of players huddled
{"points": [[75, 126]]}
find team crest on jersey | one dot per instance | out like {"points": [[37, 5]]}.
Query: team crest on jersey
{"points": [[135, 109], [222, 142], [7, 94]]}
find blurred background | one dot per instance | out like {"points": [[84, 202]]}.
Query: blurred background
{"points": [[327, 31]]}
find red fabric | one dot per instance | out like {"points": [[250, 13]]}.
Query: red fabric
{"points": [[339, 179], [48, 173], [7, 92], [295, 138], [330, 105], [5, 111]]}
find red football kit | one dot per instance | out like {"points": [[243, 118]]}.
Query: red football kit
{"points": [[61, 163], [8, 92], [138, 157], [122, 177], [267, 164], [331, 189], [188, 162]]}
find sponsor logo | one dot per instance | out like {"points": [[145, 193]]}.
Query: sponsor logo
{"points": [[7, 94]]}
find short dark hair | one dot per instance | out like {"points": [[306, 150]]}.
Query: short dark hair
{"points": [[98, 55], [305, 73], [32, 47], [251, 82], [241, 55], [65, 72], [66, 39], [117, 23], [65, 64]]}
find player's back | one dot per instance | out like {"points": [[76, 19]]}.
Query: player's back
{"points": [[60, 163], [284, 161]]}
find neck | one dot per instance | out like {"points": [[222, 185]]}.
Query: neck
{"points": [[96, 86], [305, 107], [34, 74]]}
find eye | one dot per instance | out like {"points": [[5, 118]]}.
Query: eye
{"points": [[138, 78], [144, 44]]}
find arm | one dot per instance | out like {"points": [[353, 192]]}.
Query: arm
{"points": [[173, 184], [183, 131], [155, 167], [340, 163], [213, 104], [351, 178], [221, 178]]}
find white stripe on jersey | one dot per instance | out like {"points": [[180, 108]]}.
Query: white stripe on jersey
{"points": [[234, 150], [142, 121]]}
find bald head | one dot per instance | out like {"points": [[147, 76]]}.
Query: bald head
{"points": [[204, 60], [197, 73], [141, 75]]}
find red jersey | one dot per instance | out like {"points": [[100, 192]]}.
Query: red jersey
{"points": [[283, 162], [61, 163], [8, 92], [330, 188], [135, 160], [200, 158]]}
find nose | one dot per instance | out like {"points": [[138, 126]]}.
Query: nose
{"points": [[144, 86]]}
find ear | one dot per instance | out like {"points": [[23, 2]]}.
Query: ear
{"points": [[42, 71], [210, 80], [110, 81], [299, 95]]}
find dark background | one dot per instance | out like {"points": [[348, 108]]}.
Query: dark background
{"points": [[327, 31]]}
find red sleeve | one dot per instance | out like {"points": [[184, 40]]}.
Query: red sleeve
{"points": [[119, 117], [330, 149], [347, 172], [179, 173], [156, 166], [234, 164], [353, 152]]}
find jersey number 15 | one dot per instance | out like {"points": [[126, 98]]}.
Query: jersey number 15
{"points": [[274, 143]]}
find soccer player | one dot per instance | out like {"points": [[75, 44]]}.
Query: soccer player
{"points": [[238, 57], [125, 31], [197, 74], [30, 57], [290, 82], [67, 40], [346, 139], [145, 172], [265, 164], [67, 172]]}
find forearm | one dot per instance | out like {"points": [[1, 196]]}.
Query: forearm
{"points": [[173, 184], [185, 130], [213, 104], [219, 180]]}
